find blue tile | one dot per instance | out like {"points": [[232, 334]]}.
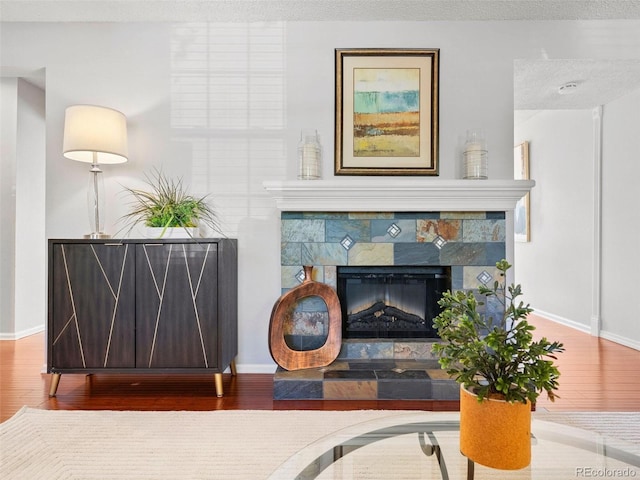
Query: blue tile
{"points": [[496, 251], [302, 230], [417, 215], [297, 389], [324, 254], [325, 215], [379, 231], [495, 215], [484, 231], [464, 254], [457, 277], [291, 215], [358, 230], [291, 253], [416, 254]]}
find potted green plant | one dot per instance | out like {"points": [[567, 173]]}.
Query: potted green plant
{"points": [[166, 205], [500, 367]]}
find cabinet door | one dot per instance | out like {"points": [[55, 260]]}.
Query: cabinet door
{"points": [[91, 306], [176, 305]]}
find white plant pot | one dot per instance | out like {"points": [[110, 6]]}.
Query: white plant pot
{"points": [[171, 232]]}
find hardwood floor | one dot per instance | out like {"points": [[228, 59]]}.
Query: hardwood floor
{"points": [[597, 375]]}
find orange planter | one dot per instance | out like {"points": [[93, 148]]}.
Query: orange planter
{"points": [[495, 433]]}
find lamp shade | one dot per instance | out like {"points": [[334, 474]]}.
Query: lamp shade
{"points": [[93, 133]]}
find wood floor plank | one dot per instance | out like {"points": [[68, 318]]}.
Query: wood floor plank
{"points": [[596, 375]]}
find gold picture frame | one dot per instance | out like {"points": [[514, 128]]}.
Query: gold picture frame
{"points": [[386, 111], [522, 216]]}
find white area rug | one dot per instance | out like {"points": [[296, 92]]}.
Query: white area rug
{"points": [[230, 444]]}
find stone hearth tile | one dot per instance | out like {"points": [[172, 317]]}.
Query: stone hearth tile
{"points": [[366, 350], [399, 389], [295, 390], [407, 375], [294, 375], [405, 350], [438, 374], [337, 365], [418, 364], [445, 390], [372, 365], [349, 375], [350, 390]]}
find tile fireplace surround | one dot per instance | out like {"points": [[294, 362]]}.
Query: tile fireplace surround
{"points": [[461, 224]]}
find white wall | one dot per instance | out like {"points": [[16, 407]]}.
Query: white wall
{"points": [[22, 277], [621, 220], [227, 116], [8, 130], [30, 248], [555, 267], [563, 254]]}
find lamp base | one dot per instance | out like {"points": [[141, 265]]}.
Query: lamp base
{"points": [[97, 235]]}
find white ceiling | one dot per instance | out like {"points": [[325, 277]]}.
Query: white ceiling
{"points": [[536, 81], [349, 10]]}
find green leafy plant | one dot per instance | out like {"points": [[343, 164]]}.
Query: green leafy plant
{"points": [[166, 204], [495, 357]]}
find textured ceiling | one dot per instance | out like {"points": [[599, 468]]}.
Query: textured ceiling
{"points": [[350, 10], [537, 82]]}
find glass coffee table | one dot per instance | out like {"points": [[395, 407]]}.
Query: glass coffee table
{"points": [[408, 446]]}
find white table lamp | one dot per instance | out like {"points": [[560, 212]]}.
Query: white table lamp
{"points": [[95, 135]]}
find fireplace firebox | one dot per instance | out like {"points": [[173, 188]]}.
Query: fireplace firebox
{"points": [[391, 301]]}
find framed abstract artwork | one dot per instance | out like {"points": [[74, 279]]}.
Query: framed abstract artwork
{"points": [[522, 221], [386, 111]]}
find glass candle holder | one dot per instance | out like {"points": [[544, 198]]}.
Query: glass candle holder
{"points": [[309, 155], [475, 156]]}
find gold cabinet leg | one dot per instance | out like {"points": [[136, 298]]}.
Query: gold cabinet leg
{"points": [[232, 367], [218, 380], [55, 381]]}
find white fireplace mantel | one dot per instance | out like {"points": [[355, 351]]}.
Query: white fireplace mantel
{"points": [[397, 194]]}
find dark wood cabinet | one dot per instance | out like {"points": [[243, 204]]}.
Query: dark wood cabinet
{"points": [[162, 306]]}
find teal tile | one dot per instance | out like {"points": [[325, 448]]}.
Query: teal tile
{"points": [[323, 254], [291, 253], [302, 230], [358, 230], [380, 231], [484, 230]]}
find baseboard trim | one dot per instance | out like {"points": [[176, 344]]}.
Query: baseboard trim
{"points": [[256, 368], [22, 333], [564, 321], [613, 337], [627, 342]]}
